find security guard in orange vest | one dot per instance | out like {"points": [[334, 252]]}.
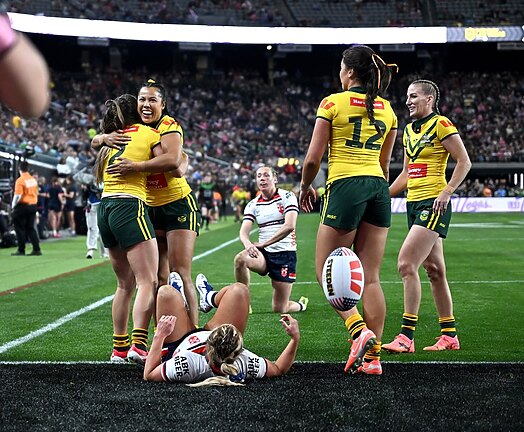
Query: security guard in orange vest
{"points": [[24, 211]]}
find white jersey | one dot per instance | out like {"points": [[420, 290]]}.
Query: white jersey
{"points": [[269, 214], [189, 365]]}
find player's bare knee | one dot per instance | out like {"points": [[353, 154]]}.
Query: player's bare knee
{"points": [[241, 259], [165, 292], [406, 268], [434, 272]]}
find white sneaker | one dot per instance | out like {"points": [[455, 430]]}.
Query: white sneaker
{"points": [[176, 282], [89, 254], [203, 288]]}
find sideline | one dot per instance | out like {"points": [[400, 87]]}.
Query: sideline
{"points": [[7, 346]]}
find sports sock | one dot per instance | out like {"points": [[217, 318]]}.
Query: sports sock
{"points": [[448, 326], [210, 298], [303, 303], [121, 342], [355, 324], [373, 353], [409, 322], [139, 338]]}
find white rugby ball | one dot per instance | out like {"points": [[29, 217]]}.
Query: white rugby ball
{"points": [[343, 279]]}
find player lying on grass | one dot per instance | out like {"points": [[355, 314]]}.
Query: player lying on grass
{"points": [[214, 354]]}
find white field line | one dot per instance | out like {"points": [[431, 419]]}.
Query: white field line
{"points": [[427, 362], [481, 282], [34, 334]]}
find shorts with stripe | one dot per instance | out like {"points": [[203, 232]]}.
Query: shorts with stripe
{"points": [[124, 222], [182, 214], [349, 201], [421, 213], [281, 266]]}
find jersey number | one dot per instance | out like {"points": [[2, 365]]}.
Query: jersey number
{"points": [[117, 154], [370, 143]]}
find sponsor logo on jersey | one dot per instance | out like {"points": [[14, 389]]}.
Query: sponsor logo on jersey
{"points": [[156, 181], [417, 170], [131, 129], [330, 216], [181, 366], [362, 103], [446, 123], [253, 367]]}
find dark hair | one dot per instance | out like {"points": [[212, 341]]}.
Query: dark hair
{"points": [[24, 166], [151, 83], [430, 88], [372, 71], [121, 112]]}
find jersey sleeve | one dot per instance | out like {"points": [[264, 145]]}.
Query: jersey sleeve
{"points": [[290, 201], [251, 366], [327, 109], [170, 125], [445, 128], [186, 367], [249, 211]]}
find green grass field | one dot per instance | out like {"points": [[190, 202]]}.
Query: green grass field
{"points": [[59, 319]]}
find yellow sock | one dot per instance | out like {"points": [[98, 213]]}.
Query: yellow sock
{"points": [[355, 324]]}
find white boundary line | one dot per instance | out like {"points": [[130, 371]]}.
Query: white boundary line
{"points": [[423, 362], [14, 343]]}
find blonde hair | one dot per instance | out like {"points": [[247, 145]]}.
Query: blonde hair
{"points": [[224, 345]]}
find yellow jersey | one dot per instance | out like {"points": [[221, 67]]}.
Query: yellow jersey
{"points": [[143, 139], [354, 148], [164, 188], [427, 157]]}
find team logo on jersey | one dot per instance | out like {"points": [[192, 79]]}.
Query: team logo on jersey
{"points": [[283, 271], [424, 215], [181, 219], [193, 340], [280, 208]]}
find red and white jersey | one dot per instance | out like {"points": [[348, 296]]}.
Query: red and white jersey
{"points": [[269, 214], [189, 364]]}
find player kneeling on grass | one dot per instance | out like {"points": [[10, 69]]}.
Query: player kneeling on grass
{"points": [[275, 211], [214, 354]]}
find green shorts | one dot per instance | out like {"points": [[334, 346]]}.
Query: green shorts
{"points": [[182, 214], [348, 202], [123, 222], [421, 213]]}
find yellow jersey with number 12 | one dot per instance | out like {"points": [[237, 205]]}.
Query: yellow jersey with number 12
{"points": [[139, 149], [427, 157], [164, 188], [354, 149]]}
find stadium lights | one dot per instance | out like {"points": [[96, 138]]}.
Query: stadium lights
{"points": [[224, 34]]}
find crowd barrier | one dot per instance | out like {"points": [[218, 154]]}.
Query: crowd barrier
{"points": [[473, 205]]}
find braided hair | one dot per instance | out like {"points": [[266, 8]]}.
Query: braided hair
{"points": [[224, 345], [373, 72], [430, 88]]}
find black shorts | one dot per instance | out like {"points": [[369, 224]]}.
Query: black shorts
{"points": [[169, 349], [281, 266], [421, 213], [182, 214]]}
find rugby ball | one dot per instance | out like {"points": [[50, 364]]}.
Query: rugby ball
{"points": [[343, 279]]}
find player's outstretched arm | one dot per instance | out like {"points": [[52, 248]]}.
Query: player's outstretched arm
{"points": [[286, 359]]}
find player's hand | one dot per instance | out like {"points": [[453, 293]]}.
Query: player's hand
{"points": [[306, 198], [441, 203], [121, 168], [253, 251], [116, 139], [290, 325], [165, 326]]}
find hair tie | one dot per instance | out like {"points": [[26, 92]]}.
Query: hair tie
{"points": [[151, 81]]}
